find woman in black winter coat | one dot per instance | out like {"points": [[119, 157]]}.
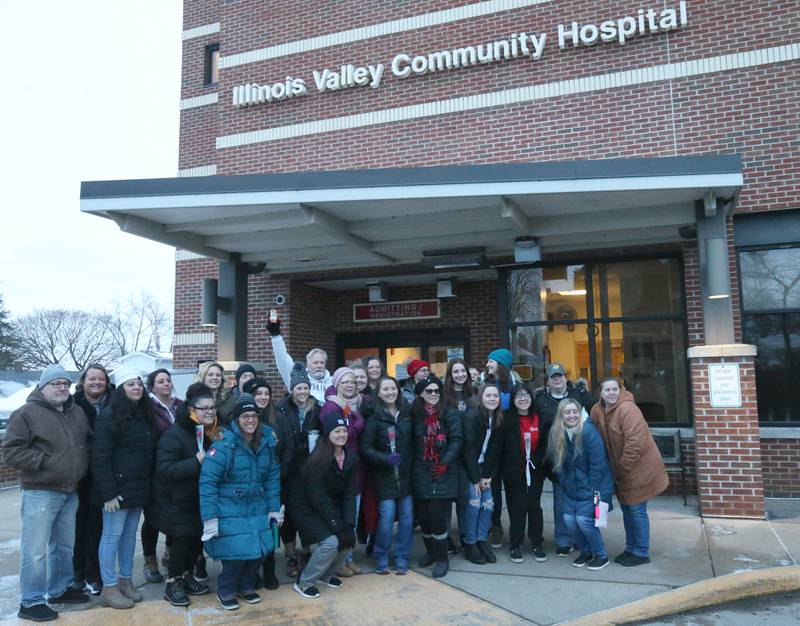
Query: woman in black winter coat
{"points": [[123, 452], [295, 420], [175, 510], [520, 455], [386, 447], [434, 478], [323, 501]]}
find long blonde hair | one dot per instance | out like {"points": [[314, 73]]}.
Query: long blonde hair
{"points": [[557, 441], [202, 370]]}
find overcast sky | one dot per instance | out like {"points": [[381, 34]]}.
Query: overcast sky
{"points": [[90, 92]]}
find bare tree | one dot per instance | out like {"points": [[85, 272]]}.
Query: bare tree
{"points": [[72, 338], [140, 323]]}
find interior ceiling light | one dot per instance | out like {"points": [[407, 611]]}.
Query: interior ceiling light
{"points": [[573, 292], [454, 258]]}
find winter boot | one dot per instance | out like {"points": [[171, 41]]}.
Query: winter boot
{"points": [[111, 596], [441, 558], [128, 590], [486, 551], [427, 559], [473, 554], [175, 594], [268, 569], [150, 570]]}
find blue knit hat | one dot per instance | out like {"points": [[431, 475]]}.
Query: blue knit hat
{"points": [[502, 356]]}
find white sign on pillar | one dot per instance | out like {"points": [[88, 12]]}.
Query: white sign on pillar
{"points": [[724, 385]]}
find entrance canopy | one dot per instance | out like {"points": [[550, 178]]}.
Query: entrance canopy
{"points": [[298, 222]]}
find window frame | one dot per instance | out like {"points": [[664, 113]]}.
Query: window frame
{"points": [[208, 64]]}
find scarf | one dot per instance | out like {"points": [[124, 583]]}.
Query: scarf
{"points": [[433, 440]]}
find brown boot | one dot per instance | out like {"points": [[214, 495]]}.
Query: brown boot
{"points": [[128, 590], [113, 597]]}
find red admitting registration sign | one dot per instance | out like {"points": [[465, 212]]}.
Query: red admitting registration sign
{"points": [[390, 311]]}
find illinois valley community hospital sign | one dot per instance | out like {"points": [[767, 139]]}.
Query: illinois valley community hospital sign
{"points": [[524, 44]]}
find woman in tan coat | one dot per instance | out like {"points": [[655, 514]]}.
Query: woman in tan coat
{"points": [[639, 473]]}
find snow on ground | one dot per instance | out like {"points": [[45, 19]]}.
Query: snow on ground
{"points": [[8, 387]]}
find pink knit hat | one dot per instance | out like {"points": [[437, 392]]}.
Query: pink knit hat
{"points": [[339, 374]]}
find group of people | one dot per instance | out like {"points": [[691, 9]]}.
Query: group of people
{"points": [[230, 474]]}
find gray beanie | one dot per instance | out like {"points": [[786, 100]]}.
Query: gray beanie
{"points": [[298, 375], [51, 373]]}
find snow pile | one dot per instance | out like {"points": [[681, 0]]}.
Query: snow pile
{"points": [[8, 387]]}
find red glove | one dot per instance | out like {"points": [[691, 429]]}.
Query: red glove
{"points": [[438, 469]]}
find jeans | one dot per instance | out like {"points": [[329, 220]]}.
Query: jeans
{"points": [[637, 528], [476, 517], [48, 536], [118, 543], [524, 505], [585, 534], [561, 534], [387, 509], [237, 576], [349, 558], [326, 559]]}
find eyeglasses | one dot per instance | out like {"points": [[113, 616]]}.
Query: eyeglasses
{"points": [[59, 385], [206, 409], [432, 392], [248, 417]]}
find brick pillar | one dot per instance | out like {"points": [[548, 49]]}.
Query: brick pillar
{"points": [[727, 440]]}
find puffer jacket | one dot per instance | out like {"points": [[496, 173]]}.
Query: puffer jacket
{"points": [[638, 468], [450, 438], [50, 448], [324, 505], [165, 413], [375, 450], [175, 507], [474, 435], [507, 456], [239, 487], [123, 457], [580, 475], [294, 447]]}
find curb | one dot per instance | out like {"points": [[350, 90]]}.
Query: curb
{"points": [[698, 595]]}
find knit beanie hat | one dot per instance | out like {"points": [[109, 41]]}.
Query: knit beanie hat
{"points": [[502, 356], [339, 374], [298, 375], [432, 379], [332, 420], [51, 373], [244, 367], [414, 366], [254, 383], [245, 403], [123, 374]]}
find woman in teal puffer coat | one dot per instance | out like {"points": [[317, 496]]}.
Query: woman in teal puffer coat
{"points": [[239, 500]]}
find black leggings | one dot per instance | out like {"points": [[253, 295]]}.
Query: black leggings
{"points": [[88, 529], [149, 537], [183, 553], [434, 514], [524, 504]]}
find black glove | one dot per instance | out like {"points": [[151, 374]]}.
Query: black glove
{"points": [[347, 538], [274, 328]]}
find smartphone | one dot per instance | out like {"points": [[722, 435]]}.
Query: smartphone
{"points": [[273, 316]]}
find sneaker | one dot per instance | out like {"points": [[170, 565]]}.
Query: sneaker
{"points": [[382, 571], [564, 550], [622, 557], [292, 567], [515, 554], [539, 554], [37, 613], [308, 592], [200, 571], [94, 588], [633, 560], [194, 587], [150, 570], [401, 570], [335, 582], [496, 537], [70, 596], [175, 594], [228, 605], [582, 560], [251, 597], [597, 563]]}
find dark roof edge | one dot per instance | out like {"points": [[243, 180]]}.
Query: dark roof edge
{"points": [[416, 176]]}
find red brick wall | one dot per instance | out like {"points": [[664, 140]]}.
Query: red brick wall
{"points": [[8, 475], [780, 459], [728, 454]]}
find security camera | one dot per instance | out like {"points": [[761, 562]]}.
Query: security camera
{"points": [[280, 299]]}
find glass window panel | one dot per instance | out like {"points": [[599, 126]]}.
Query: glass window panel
{"points": [[646, 287], [547, 294], [650, 359], [539, 345], [777, 364], [439, 357], [770, 279]]}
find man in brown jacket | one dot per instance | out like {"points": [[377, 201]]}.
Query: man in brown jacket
{"points": [[48, 440]]}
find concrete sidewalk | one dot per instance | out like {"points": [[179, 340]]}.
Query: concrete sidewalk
{"points": [[685, 549]]}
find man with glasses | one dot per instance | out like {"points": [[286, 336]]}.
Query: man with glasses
{"points": [[545, 403], [47, 440]]}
